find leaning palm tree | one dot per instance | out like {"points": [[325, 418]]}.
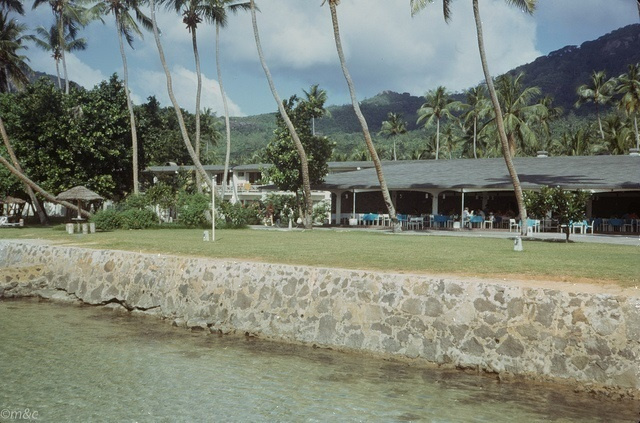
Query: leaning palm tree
{"points": [[392, 128], [599, 91], [126, 27], [306, 186], [220, 18], [629, 87], [70, 17], [13, 69], [174, 102], [363, 123], [193, 12], [32, 186], [437, 107], [48, 40], [526, 6]]}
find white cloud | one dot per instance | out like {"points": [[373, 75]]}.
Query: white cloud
{"points": [[384, 46], [184, 84]]}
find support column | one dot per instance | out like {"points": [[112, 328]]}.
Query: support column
{"points": [[434, 202], [338, 206]]}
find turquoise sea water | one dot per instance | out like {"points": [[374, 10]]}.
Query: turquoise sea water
{"points": [[83, 364]]}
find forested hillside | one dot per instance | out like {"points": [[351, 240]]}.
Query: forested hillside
{"points": [[557, 75]]}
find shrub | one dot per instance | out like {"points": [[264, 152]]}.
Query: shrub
{"points": [[237, 215], [107, 220], [137, 219], [192, 208]]}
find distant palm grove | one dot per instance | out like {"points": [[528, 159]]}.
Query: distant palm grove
{"points": [[57, 135]]}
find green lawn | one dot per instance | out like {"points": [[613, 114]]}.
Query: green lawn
{"points": [[483, 257]]}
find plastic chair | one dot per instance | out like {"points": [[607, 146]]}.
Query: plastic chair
{"points": [[514, 224]]}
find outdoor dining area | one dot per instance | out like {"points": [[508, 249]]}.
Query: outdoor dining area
{"points": [[490, 222]]}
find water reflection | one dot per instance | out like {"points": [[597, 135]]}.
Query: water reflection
{"points": [[89, 364]]}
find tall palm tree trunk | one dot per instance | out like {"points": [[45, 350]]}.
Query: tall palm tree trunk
{"points": [[61, 44], [437, 138], [196, 55], [225, 104], [132, 117], [44, 219], [20, 175], [599, 121], [475, 137], [500, 123], [58, 74], [635, 127], [174, 102], [363, 123], [306, 186]]}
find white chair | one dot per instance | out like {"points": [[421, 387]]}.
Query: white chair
{"points": [[513, 224]]}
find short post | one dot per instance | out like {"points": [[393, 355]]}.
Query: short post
{"points": [[92, 228], [70, 228], [205, 236], [85, 228], [517, 244], [213, 208]]}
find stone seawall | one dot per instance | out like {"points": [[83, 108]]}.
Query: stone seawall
{"points": [[593, 339]]}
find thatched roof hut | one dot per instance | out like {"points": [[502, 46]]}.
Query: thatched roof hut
{"points": [[79, 194]]}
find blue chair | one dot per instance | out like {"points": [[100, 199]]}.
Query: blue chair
{"points": [[440, 220], [616, 223], [479, 220]]}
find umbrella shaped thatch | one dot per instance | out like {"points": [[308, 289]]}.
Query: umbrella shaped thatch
{"points": [[81, 195]]}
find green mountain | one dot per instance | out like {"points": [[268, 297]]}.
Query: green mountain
{"points": [[557, 74]]}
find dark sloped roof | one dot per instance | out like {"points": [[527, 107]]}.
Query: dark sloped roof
{"points": [[573, 172]]}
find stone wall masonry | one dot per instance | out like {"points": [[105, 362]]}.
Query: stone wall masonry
{"points": [[593, 339]]}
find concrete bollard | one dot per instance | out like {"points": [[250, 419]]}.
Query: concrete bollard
{"points": [[205, 236], [70, 228], [92, 228], [517, 244], [85, 228]]}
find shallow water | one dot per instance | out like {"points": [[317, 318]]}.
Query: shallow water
{"points": [[82, 364]]}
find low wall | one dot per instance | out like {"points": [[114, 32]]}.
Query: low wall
{"points": [[593, 339]]}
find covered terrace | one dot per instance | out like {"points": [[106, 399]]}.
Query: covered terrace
{"points": [[446, 187]]}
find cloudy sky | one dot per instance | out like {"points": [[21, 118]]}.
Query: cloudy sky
{"points": [[386, 48]]}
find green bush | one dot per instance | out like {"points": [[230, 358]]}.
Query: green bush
{"points": [[237, 215], [192, 208], [107, 220], [135, 201], [137, 219]]}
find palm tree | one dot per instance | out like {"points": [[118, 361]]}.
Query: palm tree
{"points": [[48, 40], [126, 27], [17, 171], [518, 110], [71, 16], [13, 70], [392, 127], [477, 108], [174, 102], [316, 99], [437, 107], [599, 91], [527, 6], [363, 123], [306, 186], [220, 18], [13, 65], [629, 87], [618, 134]]}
